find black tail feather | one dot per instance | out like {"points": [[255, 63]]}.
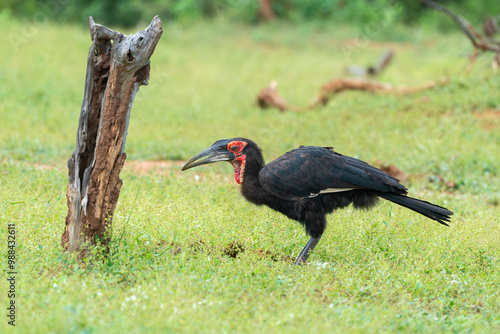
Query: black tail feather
{"points": [[432, 211]]}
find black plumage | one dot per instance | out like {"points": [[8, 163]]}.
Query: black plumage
{"points": [[307, 183]]}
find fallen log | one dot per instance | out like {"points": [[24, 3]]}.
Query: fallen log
{"points": [[269, 97], [336, 86]]}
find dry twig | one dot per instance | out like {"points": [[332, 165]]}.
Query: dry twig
{"points": [[481, 43]]}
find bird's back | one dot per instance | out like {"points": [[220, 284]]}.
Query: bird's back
{"points": [[308, 171]]}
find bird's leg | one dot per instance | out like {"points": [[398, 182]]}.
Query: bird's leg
{"points": [[304, 254]]}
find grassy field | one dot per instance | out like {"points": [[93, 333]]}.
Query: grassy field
{"points": [[189, 255]]}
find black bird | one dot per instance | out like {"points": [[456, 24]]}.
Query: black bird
{"points": [[307, 183]]}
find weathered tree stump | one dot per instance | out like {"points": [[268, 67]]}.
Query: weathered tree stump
{"points": [[117, 66]]}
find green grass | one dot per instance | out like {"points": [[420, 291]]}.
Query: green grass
{"points": [[171, 267]]}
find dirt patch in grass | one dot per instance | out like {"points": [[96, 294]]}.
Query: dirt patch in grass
{"points": [[267, 254], [393, 171], [489, 119], [154, 166], [233, 249], [34, 165], [173, 167]]}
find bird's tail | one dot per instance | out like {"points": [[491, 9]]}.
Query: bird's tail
{"points": [[432, 211]]}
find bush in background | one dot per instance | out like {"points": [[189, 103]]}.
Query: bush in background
{"points": [[132, 12]]}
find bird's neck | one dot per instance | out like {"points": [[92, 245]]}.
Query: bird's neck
{"points": [[250, 187]]}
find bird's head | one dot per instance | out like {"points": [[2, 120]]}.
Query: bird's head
{"points": [[235, 150]]}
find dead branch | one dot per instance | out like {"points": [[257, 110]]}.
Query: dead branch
{"points": [[490, 27], [479, 42], [269, 97], [381, 63], [372, 70], [337, 86]]}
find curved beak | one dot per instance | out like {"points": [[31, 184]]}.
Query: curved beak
{"points": [[217, 152]]}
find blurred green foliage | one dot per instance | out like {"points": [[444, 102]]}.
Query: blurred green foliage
{"points": [[133, 12]]}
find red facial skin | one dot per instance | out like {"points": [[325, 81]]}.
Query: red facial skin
{"points": [[239, 163]]}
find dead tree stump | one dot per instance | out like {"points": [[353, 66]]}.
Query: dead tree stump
{"points": [[117, 65]]}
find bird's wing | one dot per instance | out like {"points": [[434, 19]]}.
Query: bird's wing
{"points": [[310, 171]]}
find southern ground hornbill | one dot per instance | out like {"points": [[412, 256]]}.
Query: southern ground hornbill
{"points": [[307, 183]]}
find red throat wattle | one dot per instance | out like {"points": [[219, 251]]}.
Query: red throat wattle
{"points": [[239, 168], [239, 163]]}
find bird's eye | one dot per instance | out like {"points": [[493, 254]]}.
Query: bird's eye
{"points": [[234, 148]]}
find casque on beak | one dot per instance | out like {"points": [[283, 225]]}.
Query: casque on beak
{"points": [[217, 152]]}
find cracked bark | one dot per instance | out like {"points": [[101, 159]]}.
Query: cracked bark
{"points": [[117, 65]]}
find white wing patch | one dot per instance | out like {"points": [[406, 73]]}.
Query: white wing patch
{"points": [[335, 190], [330, 190]]}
